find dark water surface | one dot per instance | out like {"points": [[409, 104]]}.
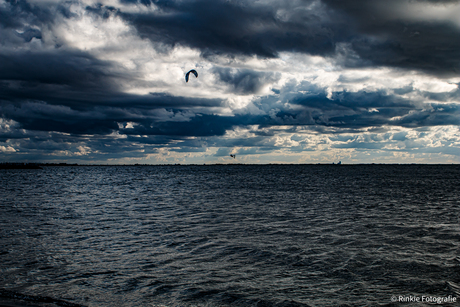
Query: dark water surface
{"points": [[231, 235]]}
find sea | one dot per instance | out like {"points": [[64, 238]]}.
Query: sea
{"points": [[230, 235]]}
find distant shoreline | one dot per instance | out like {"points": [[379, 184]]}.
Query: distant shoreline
{"points": [[18, 165]]}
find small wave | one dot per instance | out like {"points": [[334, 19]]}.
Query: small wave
{"points": [[455, 288], [35, 298]]}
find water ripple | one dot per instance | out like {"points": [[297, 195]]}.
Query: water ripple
{"points": [[230, 235]]}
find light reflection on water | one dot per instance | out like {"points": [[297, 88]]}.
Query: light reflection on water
{"points": [[236, 235]]}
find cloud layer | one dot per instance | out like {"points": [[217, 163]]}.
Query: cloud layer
{"points": [[304, 82]]}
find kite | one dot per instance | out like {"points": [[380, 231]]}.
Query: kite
{"points": [[193, 71]]}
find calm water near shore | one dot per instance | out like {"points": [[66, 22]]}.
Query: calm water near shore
{"points": [[231, 235]]}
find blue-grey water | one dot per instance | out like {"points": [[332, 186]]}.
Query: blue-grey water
{"points": [[231, 235]]}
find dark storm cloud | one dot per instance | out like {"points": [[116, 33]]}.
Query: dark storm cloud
{"points": [[245, 81], [364, 99], [20, 13], [443, 96], [435, 51], [373, 36], [39, 145], [22, 19], [344, 110], [103, 11], [69, 125], [74, 69], [383, 39], [201, 125], [79, 80], [438, 115], [100, 117], [73, 92], [30, 33], [356, 110], [42, 70], [144, 2], [232, 28]]}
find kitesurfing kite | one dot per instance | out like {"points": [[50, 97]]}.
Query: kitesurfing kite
{"points": [[233, 156], [193, 71]]}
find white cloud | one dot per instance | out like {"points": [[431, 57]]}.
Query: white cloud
{"points": [[7, 149]]}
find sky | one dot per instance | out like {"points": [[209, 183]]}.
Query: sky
{"points": [[301, 81]]}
